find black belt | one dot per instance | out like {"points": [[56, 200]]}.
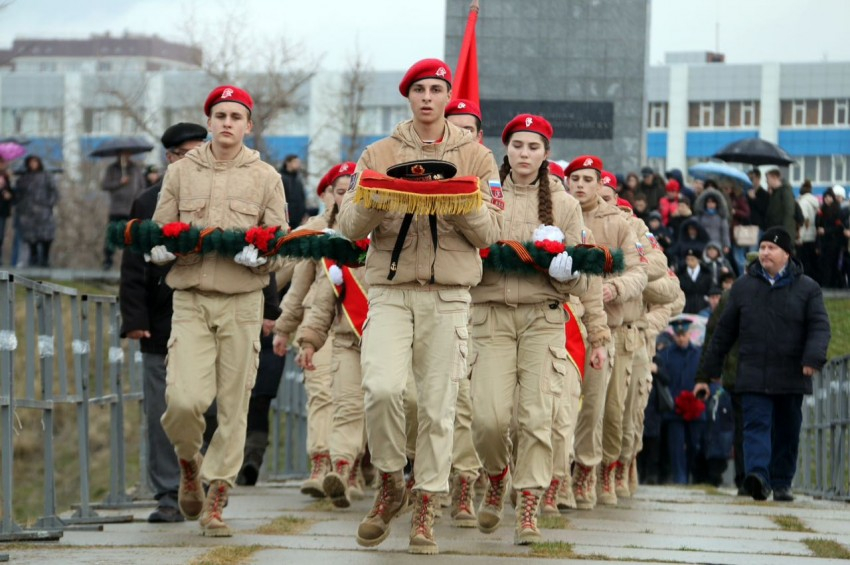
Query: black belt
{"points": [[399, 244]]}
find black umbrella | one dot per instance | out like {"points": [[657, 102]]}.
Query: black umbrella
{"points": [[118, 145], [754, 151]]}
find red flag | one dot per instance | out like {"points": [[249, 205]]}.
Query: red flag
{"points": [[466, 73]]}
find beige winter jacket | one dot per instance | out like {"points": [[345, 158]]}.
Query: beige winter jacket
{"points": [[238, 194], [520, 219], [324, 314], [300, 294], [610, 228], [455, 262]]}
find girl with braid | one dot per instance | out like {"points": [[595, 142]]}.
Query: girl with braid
{"points": [[518, 338]]}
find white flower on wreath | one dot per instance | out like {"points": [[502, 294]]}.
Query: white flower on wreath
{"points": [[548, 233], [336, 275]]}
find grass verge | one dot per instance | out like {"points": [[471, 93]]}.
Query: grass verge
{"points": [[552, 550], [827, 548], [322, 505], [790, 523], [553, 523], [839, 323], [231, 555], [286, 526]]}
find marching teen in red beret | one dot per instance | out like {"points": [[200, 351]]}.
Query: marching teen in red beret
{"points": [[419, 268], [518, 332]]}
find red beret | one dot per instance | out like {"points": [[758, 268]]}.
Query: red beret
{"points": [[673, 185], [426, 68], [556, 169], [339, 170], [609, 179], [623, 203], [228, 94], [584, 162], [462, 106], [528, 122]]}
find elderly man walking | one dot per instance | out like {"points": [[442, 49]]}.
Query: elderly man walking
{"points": [[778, 317]]}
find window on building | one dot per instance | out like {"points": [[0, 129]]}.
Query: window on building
{"points": [[693, 114], [841, 112], [827, 117], [706, 114], [812, 112], [735, 114], [795, 171], [720, 114], [104, 66], [657, 115], [839, 168], [749, 114], [798, 113]]}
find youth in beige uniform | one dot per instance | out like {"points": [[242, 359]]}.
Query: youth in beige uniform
{"points": [[318, 381], [589, 310], [611, 229], [347, 438], [418, 317], [518, 332], [656, 268], [214, 349], [658, 297]]}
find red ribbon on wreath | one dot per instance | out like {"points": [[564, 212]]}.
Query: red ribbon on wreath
{"points": [[174, 229], [260, 237]]}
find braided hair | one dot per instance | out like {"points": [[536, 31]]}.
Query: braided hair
{"points": [[332, 216], [544, 196]]}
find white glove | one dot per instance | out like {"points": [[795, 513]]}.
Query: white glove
{"points": [[548, 233], [330, 232], [159, 255], [249, 256], [561, 268]]}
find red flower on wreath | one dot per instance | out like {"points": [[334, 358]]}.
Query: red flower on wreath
{"points": [[550, 246], [260, 237], [484, 253], [362, 244], [174, 229]]}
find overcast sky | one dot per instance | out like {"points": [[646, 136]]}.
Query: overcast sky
{"points": [[749, 31]]}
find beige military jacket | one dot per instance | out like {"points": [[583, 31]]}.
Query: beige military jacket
{"points": [[455, 261], [610, 228], [238, 194]]}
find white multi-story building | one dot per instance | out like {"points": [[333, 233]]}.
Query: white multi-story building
{"points": [[695, 107]]}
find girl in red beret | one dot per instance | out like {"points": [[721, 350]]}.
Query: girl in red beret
{"points": [[518, 332], [318, 377]]}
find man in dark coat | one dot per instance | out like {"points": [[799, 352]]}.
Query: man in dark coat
{"points": [[652, 186], [777, 316], [293, 187], [757, 198]]}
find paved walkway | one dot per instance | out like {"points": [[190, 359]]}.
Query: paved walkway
{"points": [[661, 524]]}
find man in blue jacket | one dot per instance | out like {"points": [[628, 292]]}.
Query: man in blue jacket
{"points": [[778, 317]]}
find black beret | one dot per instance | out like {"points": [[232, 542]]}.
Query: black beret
{"points": [[425, 169], [180, 133], [715, 291]]}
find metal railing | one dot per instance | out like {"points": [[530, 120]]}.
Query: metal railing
{"points": [[823, 467], [289, 409], [50, 382], [68, 353]]}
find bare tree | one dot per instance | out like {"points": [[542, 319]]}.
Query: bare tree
{"points": [[355, 80], [274, 70], [129, 100]]}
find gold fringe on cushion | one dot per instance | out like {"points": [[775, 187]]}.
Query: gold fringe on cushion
{"points": [[456, 196]]}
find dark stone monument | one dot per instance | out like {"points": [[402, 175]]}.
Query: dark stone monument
{"points": [[578, 63]]}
